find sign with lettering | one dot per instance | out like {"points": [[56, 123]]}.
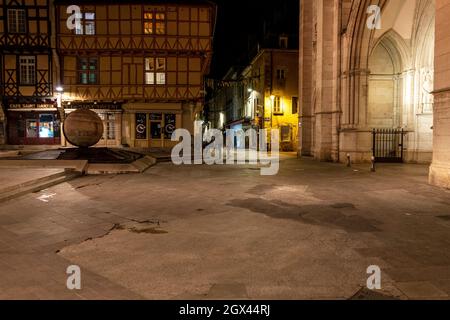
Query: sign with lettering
{"points": [[169, 125], [31, 106], [141, 126]]}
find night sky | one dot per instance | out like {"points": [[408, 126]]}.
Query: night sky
{"points": [[240, 26]]}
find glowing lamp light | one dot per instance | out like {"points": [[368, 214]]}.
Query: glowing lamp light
{"points": [[59, 89]]}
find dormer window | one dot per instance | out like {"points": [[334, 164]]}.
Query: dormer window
{"points": [[283, 42]]}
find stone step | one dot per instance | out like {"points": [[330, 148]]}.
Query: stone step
{"points": [[32, 182], [37, 185]]}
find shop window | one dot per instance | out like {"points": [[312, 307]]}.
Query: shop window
{"points": [[86, 25], [87, 70], [32, 128], [109, 125], [27, 66], [154, 23], [155, 71], [16, 21], [46, 129], [169, 125], [141, 126]]}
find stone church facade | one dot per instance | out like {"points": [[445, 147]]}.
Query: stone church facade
{"points": [[363, 70]]}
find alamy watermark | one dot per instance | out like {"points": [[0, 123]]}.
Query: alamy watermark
{"points": [[217, 152], [74, 279], [374, 280], [74, 20]]}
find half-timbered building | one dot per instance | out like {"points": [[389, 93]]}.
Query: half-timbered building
{"points": [[28, 114], [139, 64]]}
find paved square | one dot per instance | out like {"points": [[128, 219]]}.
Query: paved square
{"points": [[212, 232]]}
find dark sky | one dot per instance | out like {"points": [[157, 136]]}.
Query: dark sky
{"points": [[241, 22]]}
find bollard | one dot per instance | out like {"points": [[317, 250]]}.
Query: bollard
{"points": [[372, 167], [349, 161]]}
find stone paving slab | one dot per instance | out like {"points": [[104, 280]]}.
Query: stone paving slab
{"points": [[199, 232], [10, 177]]}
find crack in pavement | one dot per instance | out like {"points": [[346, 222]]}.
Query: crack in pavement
{"points": [[134, 227]]}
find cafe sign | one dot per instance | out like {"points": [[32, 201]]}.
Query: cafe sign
{"points": [[18, 106]]}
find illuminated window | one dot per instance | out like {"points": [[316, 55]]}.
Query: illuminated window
{"points": [[277, 105], [109, 125], [155, 71], [160, 23], [46, 126], [27, 66], [154, 23], [87, 70], [87, 25], [148, 22], [16, 21]]}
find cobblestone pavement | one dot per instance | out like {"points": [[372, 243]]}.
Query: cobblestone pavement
{"points": [[208, 232]]}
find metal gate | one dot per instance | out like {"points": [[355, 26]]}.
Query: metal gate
{"points": [[388, 145]]}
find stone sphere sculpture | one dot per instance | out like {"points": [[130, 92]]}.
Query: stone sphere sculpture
{"points": [[83, 128]]}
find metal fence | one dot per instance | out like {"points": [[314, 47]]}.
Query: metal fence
{"points": [[388, 145]]}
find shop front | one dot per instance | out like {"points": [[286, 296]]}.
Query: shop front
{"points": [[150, 126], [33, 124], [111, 116]]}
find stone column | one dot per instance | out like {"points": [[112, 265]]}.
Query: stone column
{"points": [[440, 168], [307, 41], [324, 88], [318, 61]]}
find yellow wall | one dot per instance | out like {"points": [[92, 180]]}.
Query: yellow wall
{"points": [[263, 71]]}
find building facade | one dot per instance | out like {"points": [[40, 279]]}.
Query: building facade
{"points": [[262, 95], [366, 66], [28, 113], [358, 75], [272, 93], [140, 65]]}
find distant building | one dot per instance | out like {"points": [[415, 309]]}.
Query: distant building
{"points": [[28, 113], [262, 95], [139, 64]]}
